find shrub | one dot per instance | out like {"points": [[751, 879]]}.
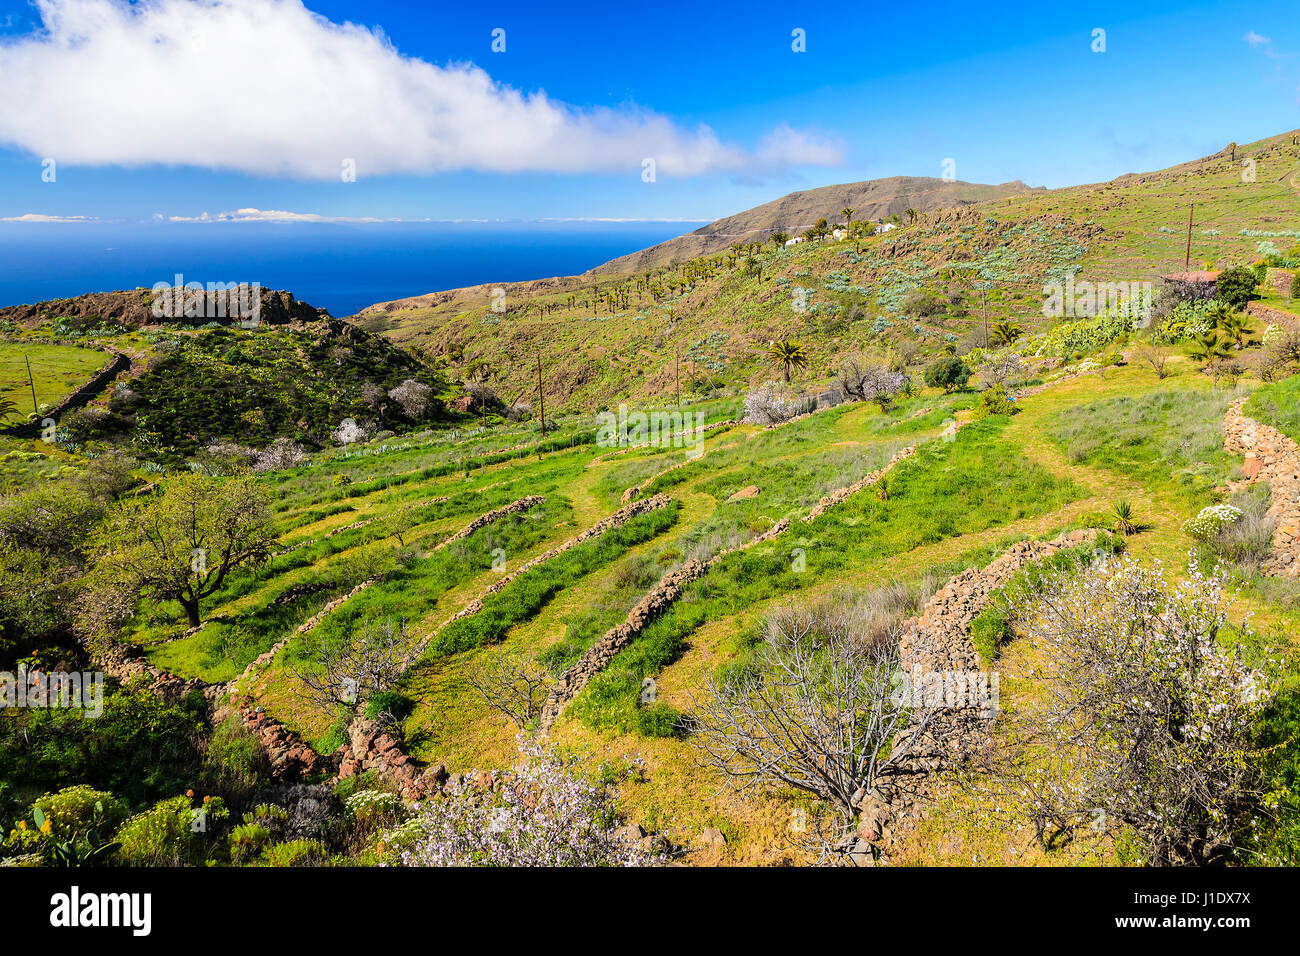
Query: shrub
{"points": [[1236, 286], [74, 810], [1210, 521], [170, 833], [949, 374], [543, 814], [295, 853], [995, 401]]}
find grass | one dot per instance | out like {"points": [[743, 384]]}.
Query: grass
{"points": [[57, 370], [1277, 404], [1166, 438], [950, 488]]}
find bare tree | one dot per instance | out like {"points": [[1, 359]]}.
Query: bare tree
{"points": [[513, 684], [1157, 356], [820, 710], [351, 669], [871, 381]]}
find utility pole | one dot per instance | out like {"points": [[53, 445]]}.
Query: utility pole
{"points": [[1187, 259], [30, 381], [677, 371]]}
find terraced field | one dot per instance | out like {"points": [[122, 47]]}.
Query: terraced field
{"points": [[539, 582]]}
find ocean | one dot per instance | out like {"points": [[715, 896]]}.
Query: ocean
{"points": [[336, 266]]}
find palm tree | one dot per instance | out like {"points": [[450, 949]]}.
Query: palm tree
{"points": [[1208, 347], [1218, 313], [7, 408], [1006, 332], [787, 354], [1236, 327], [911, 214], [847, 213], [778, 238]]}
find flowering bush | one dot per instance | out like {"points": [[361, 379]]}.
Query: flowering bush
{"points": [[545, 813], [281, 453], [1147, 724], [772, 403], [1210, 521]]}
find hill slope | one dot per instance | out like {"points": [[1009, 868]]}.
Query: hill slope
{"points": [[792, 214]]}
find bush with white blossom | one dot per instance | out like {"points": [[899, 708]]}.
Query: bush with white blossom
{"points": [[544, 813], [1210, 521]]}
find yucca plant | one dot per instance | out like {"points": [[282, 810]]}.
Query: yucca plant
{"points": [[882, 488], [1123, 513]]}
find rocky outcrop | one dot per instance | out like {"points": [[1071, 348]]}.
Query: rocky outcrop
{"points": [[1272, 457]]}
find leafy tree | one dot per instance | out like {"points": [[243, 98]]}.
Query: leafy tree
{"points": [[1236, 286], [787, 355], [182, 544], [948, 373], [778, 238]]}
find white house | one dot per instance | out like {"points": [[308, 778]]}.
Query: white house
{"points": [[794, 242], [885, 227]]}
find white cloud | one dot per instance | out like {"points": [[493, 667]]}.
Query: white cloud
{"points": [[41, 217], [1254, 39], [251, 214], [269, 88]]}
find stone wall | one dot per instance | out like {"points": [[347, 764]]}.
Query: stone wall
{"points": [[522, 504], [1272, 457], [938, 640]]}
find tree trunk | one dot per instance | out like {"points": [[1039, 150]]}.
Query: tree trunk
{"points": [[191, 611], [787, 373]]}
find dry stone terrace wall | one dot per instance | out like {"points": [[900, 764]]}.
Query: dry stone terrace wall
{"points": [[1272, 457], [522, 504], [290, 757], [938, 642]]}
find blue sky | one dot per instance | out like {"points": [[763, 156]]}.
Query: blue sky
{"points": [[439, 126]]}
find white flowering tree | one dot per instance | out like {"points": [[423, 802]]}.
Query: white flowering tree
{"points": [[414, 398], [1146, 722], [348, 432], [280, 454], [1007, 369], [772, 403], [544, 813], [871, 382]]}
